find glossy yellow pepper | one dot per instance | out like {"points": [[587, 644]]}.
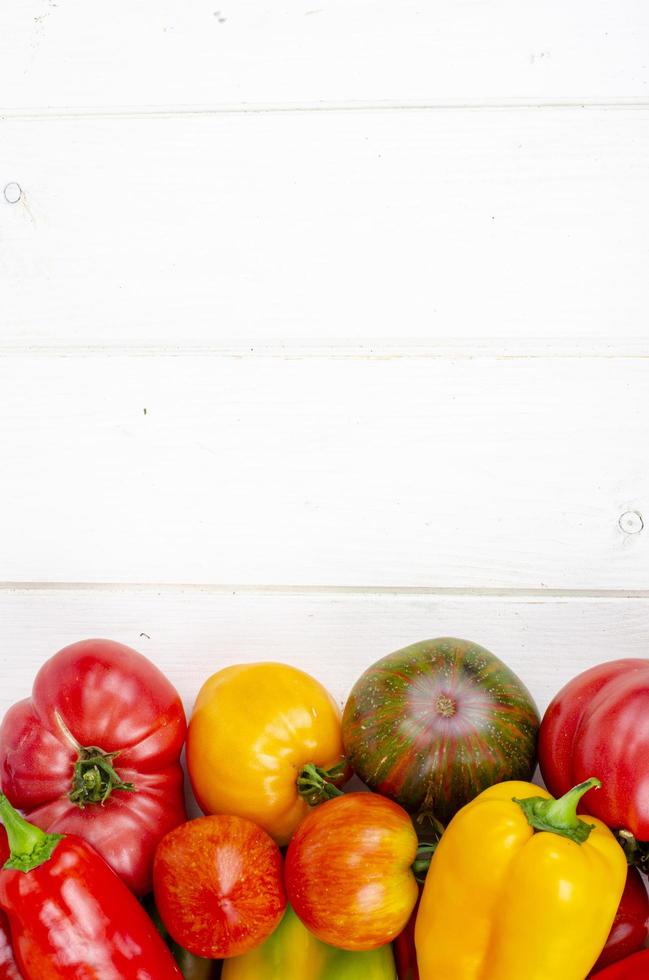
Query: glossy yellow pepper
{"points": [[293, 953], [265, 742], [519, 887]]}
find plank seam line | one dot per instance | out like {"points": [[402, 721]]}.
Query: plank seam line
{"points": [[468, 351], [80, 112], [324, 590]]}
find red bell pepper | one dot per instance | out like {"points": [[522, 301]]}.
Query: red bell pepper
{"points": [[96, 752], [70, 916], [634, 967], [405, 954], [630, 929], [8, 968]]}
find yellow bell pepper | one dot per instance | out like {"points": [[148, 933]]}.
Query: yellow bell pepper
{"points": [[293, 953], [519, 886]]}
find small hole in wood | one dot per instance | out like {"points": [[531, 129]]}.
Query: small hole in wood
{"points": [[631, 522], [13, 192]]}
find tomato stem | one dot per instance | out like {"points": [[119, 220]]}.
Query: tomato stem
{"points": [[316, 785], [94, 777], [636, 852], [560, 816], [422, 860], [29, 845]]}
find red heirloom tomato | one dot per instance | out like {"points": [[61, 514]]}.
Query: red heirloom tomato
{"points": [[630, 928], [598, 725], [218, 885], [348, 871], [95, 752]]}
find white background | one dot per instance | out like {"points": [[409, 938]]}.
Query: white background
{"points": [[323, 330]]}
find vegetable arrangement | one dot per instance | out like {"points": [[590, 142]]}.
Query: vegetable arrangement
{"points": [[289, 877]]}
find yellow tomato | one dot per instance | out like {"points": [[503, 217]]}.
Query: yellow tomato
{"points": [[253, 730]]}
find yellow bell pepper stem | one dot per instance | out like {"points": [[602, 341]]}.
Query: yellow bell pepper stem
{"points": [[560, 816], [519, 886]]}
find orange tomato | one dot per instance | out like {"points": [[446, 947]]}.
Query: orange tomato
{"points": [[254, 729], [348, 871]]}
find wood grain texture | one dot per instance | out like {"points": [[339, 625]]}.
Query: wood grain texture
{"points": [[326, 227], [192, 633], [345, 471], [83, 53]]}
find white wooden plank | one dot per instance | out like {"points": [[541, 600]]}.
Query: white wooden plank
{"points": [[303, 227], [90, 54], [190, 634], [345, 471]]}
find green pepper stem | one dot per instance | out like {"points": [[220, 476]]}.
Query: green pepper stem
{"points": [[29, 845], [560, 816], [316, 785]]}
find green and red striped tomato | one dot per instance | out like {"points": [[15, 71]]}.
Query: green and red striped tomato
{"points": [[434, 724]]}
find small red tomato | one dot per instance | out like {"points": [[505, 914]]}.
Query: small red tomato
{"points": [[218, 885], [630, 927], [348, 871]]}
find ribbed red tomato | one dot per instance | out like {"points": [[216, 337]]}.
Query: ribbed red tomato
{"points": [[95, 752], [598, 725]]}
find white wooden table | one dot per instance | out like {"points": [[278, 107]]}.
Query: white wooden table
{"points": [[323, 329]]}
